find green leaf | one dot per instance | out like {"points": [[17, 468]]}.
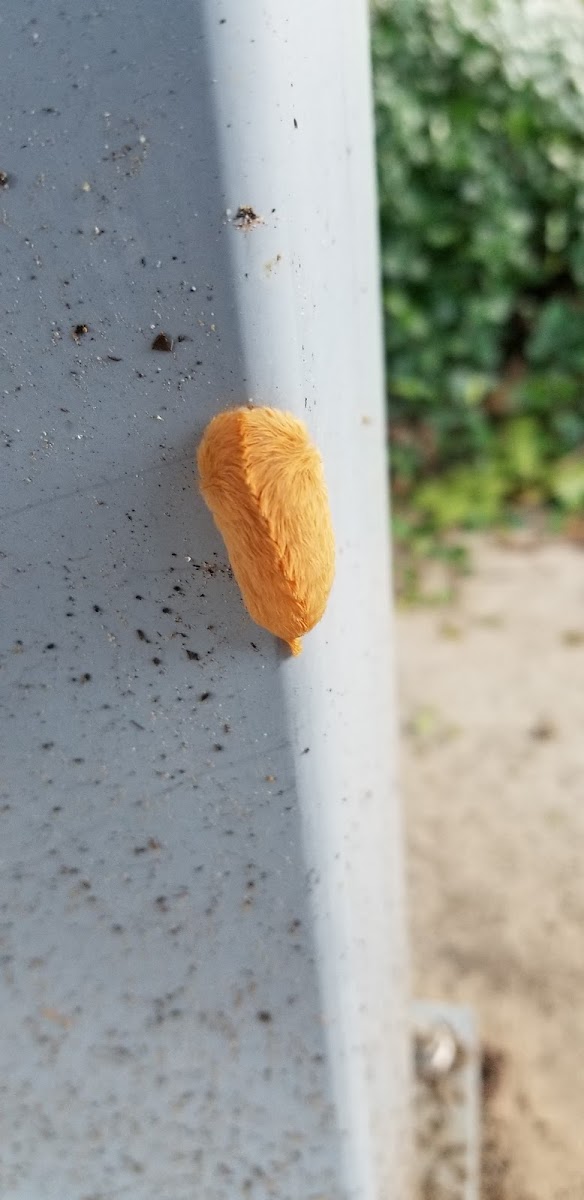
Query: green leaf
{"points": [[410, 388], [558, 335], [567, 483], [470, 387], [542, 392], [557, 230], [521, 447]]}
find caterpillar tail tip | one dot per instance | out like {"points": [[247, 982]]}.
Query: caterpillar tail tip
{"points": [[295, 647]]}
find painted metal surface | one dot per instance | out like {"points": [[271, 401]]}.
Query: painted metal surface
{"points": [[201, 936]]}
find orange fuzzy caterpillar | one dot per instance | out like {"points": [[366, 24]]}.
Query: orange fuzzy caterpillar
{"points": [[263, 480]]}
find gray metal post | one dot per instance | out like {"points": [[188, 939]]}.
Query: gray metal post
{"points": [[201, 917]]}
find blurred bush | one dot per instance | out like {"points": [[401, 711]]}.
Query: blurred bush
{"points": [[480, 134]]}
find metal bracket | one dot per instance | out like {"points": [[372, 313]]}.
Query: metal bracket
{"points": [[446, 1102]]}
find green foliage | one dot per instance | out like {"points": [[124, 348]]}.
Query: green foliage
{"points": [[567, 483], [468, 496], [481, 177]]}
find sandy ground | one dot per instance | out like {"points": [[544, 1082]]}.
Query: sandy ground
{"points": [[492, 703]]}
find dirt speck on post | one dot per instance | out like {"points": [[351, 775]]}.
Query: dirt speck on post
{"points": [[247, 218], [163, 342]]}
